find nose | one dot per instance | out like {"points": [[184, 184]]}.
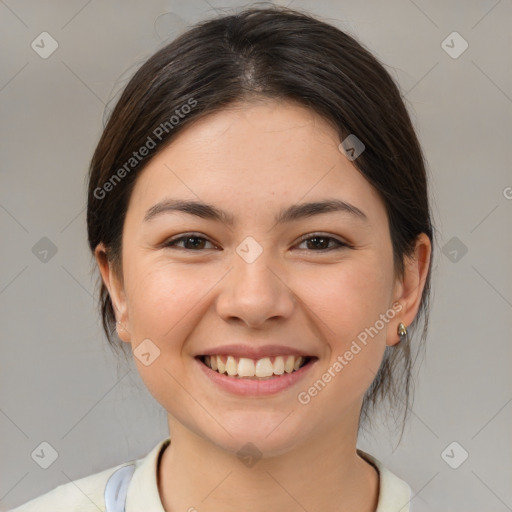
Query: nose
{"points": [[254, 293]]}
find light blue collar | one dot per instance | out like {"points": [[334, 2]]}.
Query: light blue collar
{"points": [[117, 489]]}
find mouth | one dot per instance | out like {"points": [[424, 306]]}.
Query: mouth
{"points": [[265, 368], [256, 369]]}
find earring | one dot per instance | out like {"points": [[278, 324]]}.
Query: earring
{"points": [[402, 331]]}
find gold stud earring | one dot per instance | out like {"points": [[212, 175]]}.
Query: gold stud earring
{"points": [[402, 330]]}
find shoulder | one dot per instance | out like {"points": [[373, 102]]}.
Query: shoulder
{"points": [[82, 495], [87, 494]]}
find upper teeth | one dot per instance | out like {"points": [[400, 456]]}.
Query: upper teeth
{"points": [[244, 367]]}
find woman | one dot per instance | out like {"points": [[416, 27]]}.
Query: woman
{"points": [[258, 210]]}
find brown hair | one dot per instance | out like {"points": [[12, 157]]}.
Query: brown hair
{"points": [[271, 53]]}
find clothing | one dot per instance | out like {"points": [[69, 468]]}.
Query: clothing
{"points": [[87, 494]]}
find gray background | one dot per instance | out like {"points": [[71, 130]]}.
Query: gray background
{"points": [[61, 384]]}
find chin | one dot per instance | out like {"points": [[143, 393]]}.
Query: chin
{"points": [[262, 439]]}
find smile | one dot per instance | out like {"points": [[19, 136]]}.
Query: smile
{"points": [[249, 384], [264, 368]]}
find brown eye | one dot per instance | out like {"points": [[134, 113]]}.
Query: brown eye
{"points": [[190, 242], [319, 243]]}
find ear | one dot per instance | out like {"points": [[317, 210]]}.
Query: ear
{"points": [[116, 291], [408, 289]]}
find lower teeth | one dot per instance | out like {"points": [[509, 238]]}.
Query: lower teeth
{"points": [[253, 378]]}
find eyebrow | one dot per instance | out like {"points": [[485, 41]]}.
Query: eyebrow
{"points": [[292, 213]]}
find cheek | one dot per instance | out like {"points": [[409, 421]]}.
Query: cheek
{"points": [[164, 301], [346, 304], [347, 298], [166, 298]]}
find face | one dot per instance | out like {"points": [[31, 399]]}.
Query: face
{"points": [[265, 280]]}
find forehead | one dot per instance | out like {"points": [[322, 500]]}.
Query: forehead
{"points": [[255, 155]]}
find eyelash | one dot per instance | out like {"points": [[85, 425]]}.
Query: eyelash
{"points": [[172, 243]]}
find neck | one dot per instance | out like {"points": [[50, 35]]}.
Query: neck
{"points": [[326, 474]]}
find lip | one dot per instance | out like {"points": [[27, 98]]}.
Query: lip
{"points": [[253, 388], [253, 352]]}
